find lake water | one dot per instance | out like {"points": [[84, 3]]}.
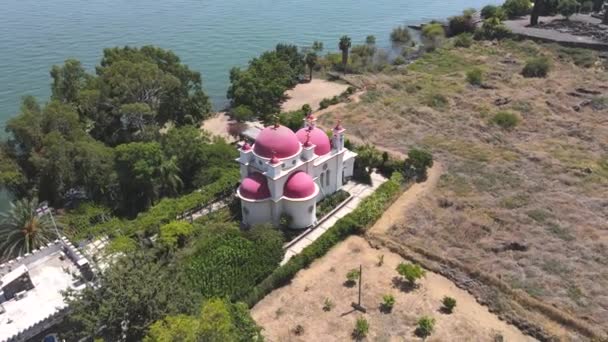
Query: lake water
{"points": [[209, 36]]}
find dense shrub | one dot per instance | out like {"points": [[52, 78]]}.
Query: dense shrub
{"points": [[401, 35], [368, 211], [464, 40], [449, 304], [462, 23], [537, 67], [410, 272], [331, 202], [228, 263], [587, 7], [388, 301], [361, 329], [517, 8], [568, 7], [170, 209], [425, 327], [174, 234], [432, 36], [76, 223], [417, 164], [505, 120], [475, 76], [491, 11], [329, 102], [492, 29]]}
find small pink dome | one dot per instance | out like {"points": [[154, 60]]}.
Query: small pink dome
{"points": [[279, 139], [299, 185], [317, 137], [254, 187]]}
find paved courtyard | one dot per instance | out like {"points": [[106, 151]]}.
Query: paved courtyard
{"points": [[358, 192]]}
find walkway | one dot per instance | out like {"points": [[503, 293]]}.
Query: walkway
{"points": [[358, 192]]}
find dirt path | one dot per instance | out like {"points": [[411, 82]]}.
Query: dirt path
{"points": [[301, 303], [399, 209]]}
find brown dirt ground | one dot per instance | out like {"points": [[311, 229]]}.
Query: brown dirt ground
{"points": [[302, 303], [542, 184], [312, 93]]}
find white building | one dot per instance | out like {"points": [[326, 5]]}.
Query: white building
{"points": [[287, 173]]}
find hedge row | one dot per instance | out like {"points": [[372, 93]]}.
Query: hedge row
{"points": [[168, 209], [368, 212]]}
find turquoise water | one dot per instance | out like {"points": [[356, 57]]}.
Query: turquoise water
{"points": [[209, 36]]}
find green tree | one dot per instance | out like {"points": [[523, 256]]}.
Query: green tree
{"points": [[188, 145], [174, 234], [568, 7], [411, 272], [311, 62], [344, 45], [317, 46], [449, 304], [137, 166], [68, 81], [517, 8], [179, 328], [242, 113], [361, 329], [134, 292], [417, 163], [426, 325], [169, 180], [23, 230], [536, 10], [370, 40]]}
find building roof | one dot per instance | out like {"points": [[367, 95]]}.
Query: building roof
{"points": [[50, 271], [276, 140], [254, 187], [317, 137], [299, 185]]}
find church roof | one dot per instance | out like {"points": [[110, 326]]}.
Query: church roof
{"points": [[254, 187], [318, 137], [278, 140], [299, 185]]}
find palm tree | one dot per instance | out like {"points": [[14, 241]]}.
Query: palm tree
{"points": [[170, 181], [344, 45], [22, 230], [311, 61]]}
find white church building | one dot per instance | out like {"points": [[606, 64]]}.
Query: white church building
{"points": [[287, 173]]}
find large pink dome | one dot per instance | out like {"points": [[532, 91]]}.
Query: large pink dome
{"points": [[299, 185], [254, 187], [317, 137], [279, 139]]}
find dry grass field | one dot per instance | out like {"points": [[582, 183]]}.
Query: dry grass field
{"points": [[527, 205], [302, 303]]}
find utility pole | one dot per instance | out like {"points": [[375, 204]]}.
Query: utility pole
{"points": [[358, 306]]}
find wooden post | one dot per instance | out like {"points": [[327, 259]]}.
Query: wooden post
{"points": [[358, 306]]}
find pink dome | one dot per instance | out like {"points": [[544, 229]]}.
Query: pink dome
{"points": [[299, 185], [254, 187], [279, 139], [317, 137]]}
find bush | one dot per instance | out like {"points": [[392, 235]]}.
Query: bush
{"points": [[328, 305], [352, 276], [432, 35], [174, 234], [388, 301], [401, 35], [461, 23], [242, 113], [492, 29], [567, 8], [475, 76], [587, 7], [449, 304], [411, 272], [399, 61], [361, 328], [329, 102], [491, 11], [368, 211], [581, 57], [426, 325], [464, 40], [536, 67], [417, 163], [517, 8], [506, 120], [331, 202]]}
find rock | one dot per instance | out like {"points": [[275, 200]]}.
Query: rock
{"points": [[511, 246], [502, 101], [587, 91]]}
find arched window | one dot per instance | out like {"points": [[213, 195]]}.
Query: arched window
{"points": [[327, 178], [322, 175]]}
